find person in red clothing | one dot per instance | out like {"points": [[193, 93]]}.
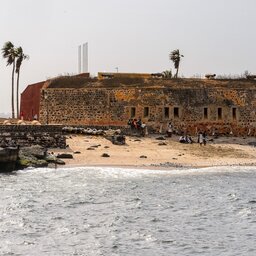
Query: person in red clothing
{"points": [[21, 115]]}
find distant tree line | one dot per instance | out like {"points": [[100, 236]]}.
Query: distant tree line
{"points": [[14, 57]]}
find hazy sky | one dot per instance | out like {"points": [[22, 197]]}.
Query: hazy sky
{"points": [[216, 36]]}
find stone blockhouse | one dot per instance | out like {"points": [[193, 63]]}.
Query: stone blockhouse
{"points": [[218, 106], [30, 97]]}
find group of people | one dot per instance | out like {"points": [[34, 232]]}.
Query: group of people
{"points": [[186, 139], [137, 125], [201, 137]]}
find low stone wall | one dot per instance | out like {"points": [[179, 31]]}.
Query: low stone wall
{"points": [[48, 136], [31, 128]]}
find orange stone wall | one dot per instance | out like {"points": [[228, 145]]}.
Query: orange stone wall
{"points": [[230, 108]]}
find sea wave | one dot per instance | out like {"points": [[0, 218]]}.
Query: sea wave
{"points": [[119, 172]]}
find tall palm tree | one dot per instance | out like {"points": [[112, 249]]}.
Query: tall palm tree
{"points": [[9, 53], [175, 57], [20, 57]]}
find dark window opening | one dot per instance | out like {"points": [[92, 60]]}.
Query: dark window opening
{"points": [[205, 113], [234, 113], [146, 111], [166, 112], [133, 112], [176, 112], [219, 113]]}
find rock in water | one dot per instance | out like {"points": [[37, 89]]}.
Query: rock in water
{"points": [[8, 158]]}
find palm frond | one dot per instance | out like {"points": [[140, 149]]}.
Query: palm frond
{"points": [[7, 49], [20, 57]]}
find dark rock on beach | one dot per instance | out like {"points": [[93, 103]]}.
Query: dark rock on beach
{"points": [[118, 139], [65, 155], [95, 146], [105, 155], [60, 162], [162, 144], [252, 144]]}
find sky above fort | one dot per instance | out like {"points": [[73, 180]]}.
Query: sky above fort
{"points": [[133, 35]]}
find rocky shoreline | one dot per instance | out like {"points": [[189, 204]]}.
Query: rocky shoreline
{"points": [[27, 146], [13, 159], [23, 147]]}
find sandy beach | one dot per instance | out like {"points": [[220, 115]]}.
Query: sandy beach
{"points": [[150, 152]]}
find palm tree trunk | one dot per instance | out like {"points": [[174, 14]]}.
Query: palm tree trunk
{"points": [[17, 95], [13, 69], [177, 71]]}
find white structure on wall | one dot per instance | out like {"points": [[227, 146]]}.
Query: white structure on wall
{"points": [[83, 58]]}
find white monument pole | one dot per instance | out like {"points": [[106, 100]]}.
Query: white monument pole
{"points": [[85, 57], [79, 59]]}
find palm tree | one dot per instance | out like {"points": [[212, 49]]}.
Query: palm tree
{"points": [[175, 57], [20, 57], [9, 53]]}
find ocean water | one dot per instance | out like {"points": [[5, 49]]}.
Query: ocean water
{"points": [[113, 211]]}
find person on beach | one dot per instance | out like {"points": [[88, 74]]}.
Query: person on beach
{"points": [[134, 123], [169, 129], [143, 129], [139, 123], [129, 122], [21, 115], [200, 138], [204, 138]]}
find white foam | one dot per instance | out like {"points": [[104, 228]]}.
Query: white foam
{"points": [[117, 172]]}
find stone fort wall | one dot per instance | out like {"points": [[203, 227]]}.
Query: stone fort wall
{"points": [[220, 107]]}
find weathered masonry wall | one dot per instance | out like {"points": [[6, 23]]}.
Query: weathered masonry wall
{"points": [[216, 108], [49, 136]]}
